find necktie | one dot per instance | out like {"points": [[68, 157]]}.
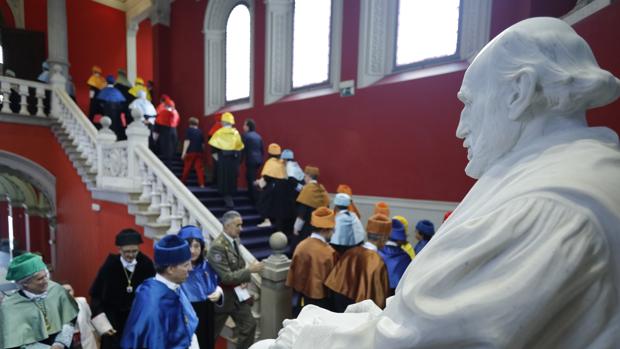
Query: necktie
{"points": [[236, 247]]}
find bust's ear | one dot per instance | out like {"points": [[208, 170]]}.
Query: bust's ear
{"points": [[523, 87]]}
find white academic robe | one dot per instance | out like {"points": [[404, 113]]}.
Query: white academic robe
{"points": [[529, 259]]}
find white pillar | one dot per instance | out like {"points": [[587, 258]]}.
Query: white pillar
{"points": [[57, 34], [132, 59]]}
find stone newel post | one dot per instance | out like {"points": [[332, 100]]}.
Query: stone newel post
{"points": [[275, 296]]}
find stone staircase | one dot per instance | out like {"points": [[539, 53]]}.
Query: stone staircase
{"points": [[254, 238]]}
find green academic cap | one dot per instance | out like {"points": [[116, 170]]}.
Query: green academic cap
{"points": [[25, 265]]}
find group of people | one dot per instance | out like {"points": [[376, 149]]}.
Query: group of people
{"points": [[181, 300], [342, 263]]}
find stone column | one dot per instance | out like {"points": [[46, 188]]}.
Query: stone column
{"points": [[57, 34], [132, 53], [275, 296]]}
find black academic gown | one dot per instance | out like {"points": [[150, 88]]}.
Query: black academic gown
{"points": [[109, 293]]}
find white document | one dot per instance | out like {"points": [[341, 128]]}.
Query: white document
{"points": [[242, 293], [101, 324]]}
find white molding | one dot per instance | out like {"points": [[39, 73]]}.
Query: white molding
{"points": [[132, 55], [335, 51], [111, 195], [377, 33], [113, 4], [41, 178], [25, 120], [214, 29], [581, 12], [17, 8], [278, 49]]}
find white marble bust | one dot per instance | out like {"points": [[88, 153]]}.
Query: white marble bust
{"points": [[531, 256]]}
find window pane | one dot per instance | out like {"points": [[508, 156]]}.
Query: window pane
{"points": [[311, 42], [426, 29], [238, 54]]}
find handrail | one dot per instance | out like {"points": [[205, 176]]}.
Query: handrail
{"points": [[75, 110], [205, 218], [28, 83]]}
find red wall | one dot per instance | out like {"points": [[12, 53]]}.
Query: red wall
{"points": [[394, 139], [144, 48], [96, 36], [84, 237]]}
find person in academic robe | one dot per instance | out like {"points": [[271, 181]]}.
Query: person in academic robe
{"points": [[253, 154], [273, 188], [226, 146], [349, 230], [360, 273], [114, 287], [161, 315], [124, 85], [382, 208], [139, 86], [201, 287], [95, 83], [406, 245], [86, 335], [110, 103], [424, 232], [148, 113], [225, 257], [312, 262], [312, 196], [395, 258], [41, 314], [217, 124], [345, 189], [165, 128], [294, 185], [44, 76]]}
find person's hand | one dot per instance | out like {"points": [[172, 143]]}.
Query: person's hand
{"points": [[366, 306], [216, 295], [110, 332], [256, 267]]}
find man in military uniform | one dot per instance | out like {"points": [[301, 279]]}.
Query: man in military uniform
{"points": [[224, 256]]}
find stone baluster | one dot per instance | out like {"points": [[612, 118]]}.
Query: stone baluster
{"points": [[146, 183], [104, 136], [165, 205], [137, 136], [275, 299], [184, 214], [175, 216], [40, 98], [6, 94], [58, 82], [23, 102], [155, 194]]}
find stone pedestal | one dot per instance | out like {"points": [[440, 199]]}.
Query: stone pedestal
{"points": [[275, 296]]}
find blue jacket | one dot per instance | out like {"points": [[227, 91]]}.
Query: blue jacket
{"points": [[202, 281], [253, 150], [159, 319], [396, 261]]}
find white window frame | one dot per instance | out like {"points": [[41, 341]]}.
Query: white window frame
{"points": [[377, 42], [279, 49], [214, 29]]}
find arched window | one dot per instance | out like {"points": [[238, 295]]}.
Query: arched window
{"points": [[427, 30], [229, 54], [303, 46], [311, 39], [398, 35], [238, 54]]}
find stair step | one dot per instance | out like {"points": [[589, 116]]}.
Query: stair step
{"points": [[218, 211]]}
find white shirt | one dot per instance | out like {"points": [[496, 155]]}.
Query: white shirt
{"points": [[370, 246], [318, 236], [131, 266]]}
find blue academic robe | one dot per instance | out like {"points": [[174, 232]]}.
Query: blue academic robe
{"points": [[202, 281], [396, 261], [159, 319], [419, 246]]}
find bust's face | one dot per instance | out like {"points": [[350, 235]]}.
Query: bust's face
{"points": [[484, 127]]}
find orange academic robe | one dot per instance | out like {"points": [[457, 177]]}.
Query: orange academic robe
{"points": [[312, 262], [360, 274]]}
